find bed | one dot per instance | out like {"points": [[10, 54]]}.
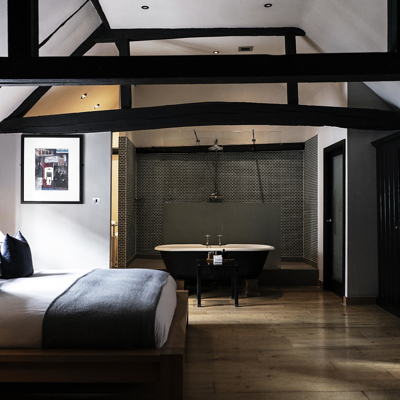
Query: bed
{"points": [[22, 359]]}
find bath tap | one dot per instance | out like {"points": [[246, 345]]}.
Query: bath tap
{"points": [[207, 240], [220, 240]]}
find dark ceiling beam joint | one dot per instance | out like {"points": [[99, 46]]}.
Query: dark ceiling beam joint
{"points": [[292, 88], [133, 35], [125, 91], [39, 92], [206, 114], [123, 47], [23, 28], [393, 26], [29, 102], [223, 69], [100, 12]]}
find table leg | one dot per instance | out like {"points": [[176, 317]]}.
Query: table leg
{"points": [[198, 287], [236, 288], [232, 285]]}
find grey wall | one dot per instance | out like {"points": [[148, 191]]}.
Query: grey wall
{"points": [[61, 235], [253, 177], [311, 200], [251, 223], [126, 202], [362, 198]]}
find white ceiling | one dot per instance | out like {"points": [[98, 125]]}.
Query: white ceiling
{"points": [[52, 17], [335, 26], [123, 14]]}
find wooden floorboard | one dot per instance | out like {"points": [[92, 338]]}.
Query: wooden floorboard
{"points": [[290, 343]]}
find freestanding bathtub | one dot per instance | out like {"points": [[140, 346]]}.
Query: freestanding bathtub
{"points": [[180, 259]]}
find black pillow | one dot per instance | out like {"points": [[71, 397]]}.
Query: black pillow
{"points": [[15, 257]]}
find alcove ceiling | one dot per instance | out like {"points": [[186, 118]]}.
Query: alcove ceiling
{"points": [[330, 26]]}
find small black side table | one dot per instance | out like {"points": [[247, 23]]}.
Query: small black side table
{"points": [[218, 271]]}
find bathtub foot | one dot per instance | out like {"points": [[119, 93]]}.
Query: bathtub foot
{"points": [[180, 284], [252, 288]]}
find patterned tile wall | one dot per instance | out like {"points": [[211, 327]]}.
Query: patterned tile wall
{"points": [[126, 202], [241, 177], [311, 199]]}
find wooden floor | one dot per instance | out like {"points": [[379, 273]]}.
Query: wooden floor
{"points": [[291, 343]]}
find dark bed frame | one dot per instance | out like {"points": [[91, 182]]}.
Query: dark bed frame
{"points": [[164, 366]]}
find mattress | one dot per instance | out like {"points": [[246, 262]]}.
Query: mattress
{"points": [[24, 301]]}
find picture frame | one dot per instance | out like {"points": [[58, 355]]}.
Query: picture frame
{"points": [[51, 169]]}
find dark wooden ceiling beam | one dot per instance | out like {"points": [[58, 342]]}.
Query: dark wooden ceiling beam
{"points": [[133, 35], [23, 28], [393, 25], [203, 114], [125, 91], [292, 87], [345, 67]]}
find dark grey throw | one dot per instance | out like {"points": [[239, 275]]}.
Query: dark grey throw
{"points": [[112, 309]]}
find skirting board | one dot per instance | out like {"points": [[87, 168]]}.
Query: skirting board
{"points": [[358, 301], [130, 262], [320, 284], [300, 259], [311, 263], [292, 259]]}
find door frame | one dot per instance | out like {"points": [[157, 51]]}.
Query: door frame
{"points": [[327, 245]]}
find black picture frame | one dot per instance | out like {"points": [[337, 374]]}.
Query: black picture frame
{"points": [[51, 169]]}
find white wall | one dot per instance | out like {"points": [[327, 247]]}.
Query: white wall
{"points": [[61, 235], [333, 94], [157, 95], [327, 94], [362, 198], [3, 29]]}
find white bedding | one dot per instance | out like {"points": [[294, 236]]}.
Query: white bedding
{"points": [[23, 303]]}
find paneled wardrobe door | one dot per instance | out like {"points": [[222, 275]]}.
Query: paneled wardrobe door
{"points": [[388, 167]]}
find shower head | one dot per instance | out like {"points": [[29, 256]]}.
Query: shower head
{"points": [[215, 146]]}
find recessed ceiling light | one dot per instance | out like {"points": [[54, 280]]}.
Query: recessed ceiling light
{"points": [[145, 7], [268, 5], [84, 95], [96, 106], [216, 52]]}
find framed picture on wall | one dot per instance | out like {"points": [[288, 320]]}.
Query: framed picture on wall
{"points": [[51, 169]]}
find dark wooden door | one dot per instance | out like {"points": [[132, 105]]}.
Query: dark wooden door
{"points": [[388, 224], [334, 218]]}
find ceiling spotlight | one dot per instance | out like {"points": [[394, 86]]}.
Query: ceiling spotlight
{"points": [[84, 95], [145, 7], [268, 5], [96, 106], [216, 52]]}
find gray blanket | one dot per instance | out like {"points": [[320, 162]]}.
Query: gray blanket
{"points": [[112, 309]]}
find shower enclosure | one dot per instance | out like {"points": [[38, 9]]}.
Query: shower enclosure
{"points": [[178, 167]]}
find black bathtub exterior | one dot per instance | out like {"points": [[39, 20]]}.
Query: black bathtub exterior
{"points": [[182, 264]]}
